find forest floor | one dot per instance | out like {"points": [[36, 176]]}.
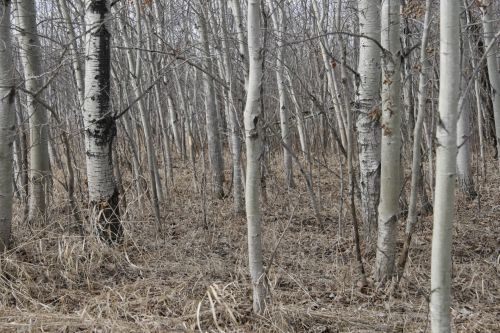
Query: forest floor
{"points": [[193, 277]]}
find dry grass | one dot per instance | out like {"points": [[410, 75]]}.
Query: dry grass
{"points": [[193, 277]]}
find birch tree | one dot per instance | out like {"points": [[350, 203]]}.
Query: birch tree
{"points": [[417, 133], [7, 124], [278, 17], [464, 134], [30, 50], [213, 138], [390, 179], [232, 114], [492, 61], [367, 121], [99, 122], [252, 120], [446, 154]]}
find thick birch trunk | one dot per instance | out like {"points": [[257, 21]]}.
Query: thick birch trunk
{"points": [[254, 150], [100, 126], [367, 121], [446, 155], [7, 124], [390, 179], [39, 152]]}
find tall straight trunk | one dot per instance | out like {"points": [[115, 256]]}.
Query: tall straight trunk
{"points": [[135, 67], [238, 197], [213, 138], [464, 135], [278, 17], [23, 152], [390, 179], [332, 81], [367, 122], [446, 157], [100, 125], [492, 61], [416, 174], [242, 45], [136, 165], [478, 115], [7, 124], [77, 66], [39, 153], [301, 128], [254, 149], [174, 123]]}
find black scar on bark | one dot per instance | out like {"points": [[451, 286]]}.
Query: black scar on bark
{"points": [[99, 6], [109, 227]]}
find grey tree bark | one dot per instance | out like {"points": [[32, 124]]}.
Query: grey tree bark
{"points": [[416, 174], [368, 116], [252, 117], [238, 196], [390, 178], [492, 61], [446, 159], [7, 124], [39, 152], [278, 17], [213, 139]]}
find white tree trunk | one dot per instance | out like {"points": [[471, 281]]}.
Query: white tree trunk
{"points": [[100, 126], [242, 45], [367, 122], [77, 66], [464, 134], [7, 124], [278, 17], [213, 138], [254, 151], [416, 173], [238, 197], [390, 178], [332, 82], [174, 123], [493, 73], [446, 158], [39, 152]]}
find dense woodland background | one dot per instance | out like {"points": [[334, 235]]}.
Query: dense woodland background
{"points": [[141, 141]]}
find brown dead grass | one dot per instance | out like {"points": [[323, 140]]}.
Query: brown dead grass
{"points": [[193, 277]]}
